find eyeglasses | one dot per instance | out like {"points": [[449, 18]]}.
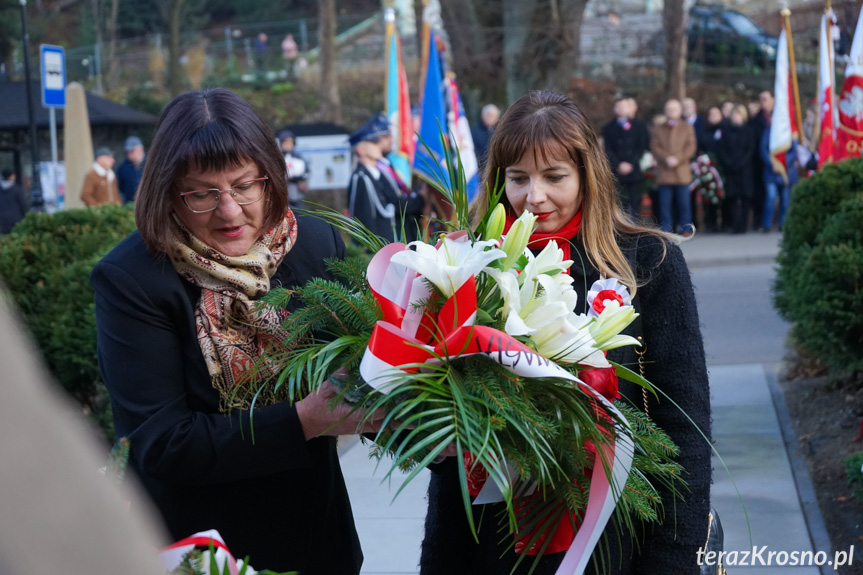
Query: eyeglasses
{"points": [[244, 193]]}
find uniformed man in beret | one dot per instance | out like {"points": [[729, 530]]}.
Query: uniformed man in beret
{"points": [[375, 197]]}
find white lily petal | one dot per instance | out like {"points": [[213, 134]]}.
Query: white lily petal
{"points": [[619, 341], [452, 264]]}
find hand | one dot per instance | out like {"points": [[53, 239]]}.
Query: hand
{"points": [[672, 161], [316, 417], [624, 168]]}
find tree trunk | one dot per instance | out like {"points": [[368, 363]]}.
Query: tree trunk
{"points": [[419, 8], [519, 78], [474, 29], [98, 28], [572, 12], [111, 30], [175, 72], [331, 104], [674, 18], [543, 55]]}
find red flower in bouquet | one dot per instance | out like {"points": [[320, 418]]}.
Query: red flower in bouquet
{"points": [[602, 379]]}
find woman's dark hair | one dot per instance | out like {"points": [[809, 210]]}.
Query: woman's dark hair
{"points": [[205, 130]]}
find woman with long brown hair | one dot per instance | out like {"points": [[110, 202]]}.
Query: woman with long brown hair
{"points": [[550, 163]]}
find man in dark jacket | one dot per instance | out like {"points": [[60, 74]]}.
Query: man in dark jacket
{"points": [[690, 115], [626, 141], [14, 203], [481, 133], [373, 198], [757, 126], [130, 170]]}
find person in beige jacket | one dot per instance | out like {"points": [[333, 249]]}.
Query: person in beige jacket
{"points": [[672, 145], [100, 183]]}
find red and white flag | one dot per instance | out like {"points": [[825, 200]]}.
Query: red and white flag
{"points": [[850, 132], [826, 118], [783, 127]]}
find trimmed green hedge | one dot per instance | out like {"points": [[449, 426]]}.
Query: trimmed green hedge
{"points": [[45, 264], [818, 287]]}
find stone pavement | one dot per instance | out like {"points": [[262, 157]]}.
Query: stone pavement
{"points": [[719, 250], [748, 435]]}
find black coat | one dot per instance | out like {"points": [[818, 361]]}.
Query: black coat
{"points": [[709, 137], [14, 205], [734, 150], [758, 125], [129, 178], [698, 125], [481, 135], [380, 206], [675, 363], [623, 145], [276, 497]]}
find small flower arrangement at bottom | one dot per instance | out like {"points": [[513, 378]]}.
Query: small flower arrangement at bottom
{"points": [[205, 553], [706, 180], [471, 340]]}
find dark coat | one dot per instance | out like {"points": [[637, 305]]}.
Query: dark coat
{"points": [[758, 124], [698, 125], [481, 135], [709, 138], [734, 151], [379, 205], [14, 205], [675, 363], [622, 145], [128, 179], [277, 498]]}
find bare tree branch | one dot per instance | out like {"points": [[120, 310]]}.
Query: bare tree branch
{"points": [[175, 73], [674, 19], [331, 104]]}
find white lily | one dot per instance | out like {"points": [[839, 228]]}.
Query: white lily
{"points": [[557, 331], [541, 309], [450, 265], [517, 238], [606, 328], [549, 261]]}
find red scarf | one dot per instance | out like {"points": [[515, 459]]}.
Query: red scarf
{"points": [[562, 236]]}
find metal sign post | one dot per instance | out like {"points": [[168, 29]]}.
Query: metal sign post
{"points": [[53, 60]]}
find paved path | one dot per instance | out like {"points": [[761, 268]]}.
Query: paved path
{"points": [[744, 340]]}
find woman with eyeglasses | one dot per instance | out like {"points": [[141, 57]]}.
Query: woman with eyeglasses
{"points": [[178, 342]]}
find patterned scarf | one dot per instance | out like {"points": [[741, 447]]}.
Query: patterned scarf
{"points": [[238, 342]]}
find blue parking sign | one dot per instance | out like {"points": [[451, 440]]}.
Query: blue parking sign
{"points": [[53, 76]]}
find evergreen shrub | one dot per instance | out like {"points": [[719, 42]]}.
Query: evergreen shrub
{"points": [[818, 287], [45, 265]]}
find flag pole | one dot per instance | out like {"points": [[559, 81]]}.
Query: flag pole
{"points": [[424, 57], [786, 23], [389, 27], [832, 61]]}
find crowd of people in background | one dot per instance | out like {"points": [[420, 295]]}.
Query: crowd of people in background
{"points": [[717, 167], [684, 170]]}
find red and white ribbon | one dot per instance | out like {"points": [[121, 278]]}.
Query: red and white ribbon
{"points": [[407, 337], [171, 556]]}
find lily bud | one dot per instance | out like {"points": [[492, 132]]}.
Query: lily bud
{"points": [[610, 323], [496, 222], [516, 240]]}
